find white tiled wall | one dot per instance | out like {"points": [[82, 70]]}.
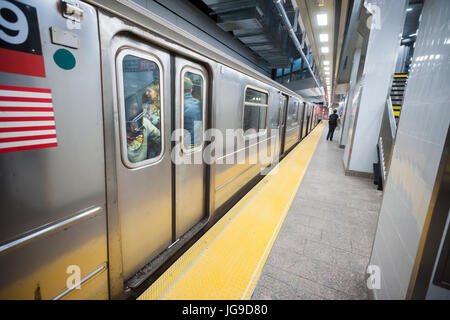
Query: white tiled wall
{"points": [[418, 148]]}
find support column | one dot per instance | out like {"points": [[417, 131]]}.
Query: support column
{"points": [[384, 42], [349, 99]]}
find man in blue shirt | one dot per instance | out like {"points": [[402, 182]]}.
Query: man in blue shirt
{"points": [[332, 124], [192, 115]]}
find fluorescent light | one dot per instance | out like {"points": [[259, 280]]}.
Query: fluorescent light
{"points": [[326, 68], [325, 50], [409, 9], [327, 72], [322, 19], [326, 63], [323, 37]]}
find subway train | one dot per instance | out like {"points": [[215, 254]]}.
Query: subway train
{"points": [[92, 204]]}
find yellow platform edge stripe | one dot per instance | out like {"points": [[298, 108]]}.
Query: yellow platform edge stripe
{"points": [[401, 76], [396, 113], [226, 262]]}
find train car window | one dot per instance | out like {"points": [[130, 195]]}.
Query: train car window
{"points": [[255, 111], [292, 113], [254, 96], [141, 109], [192, 108]]}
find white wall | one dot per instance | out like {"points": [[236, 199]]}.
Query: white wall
{"points": [[417, 152], [349, 101], [379, 67]]}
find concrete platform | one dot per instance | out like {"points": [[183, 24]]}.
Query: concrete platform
{"points": [[324, 245], [228, 259]]}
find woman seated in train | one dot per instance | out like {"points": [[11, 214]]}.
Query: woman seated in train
{"points": [[152, 104], [143, 137]]}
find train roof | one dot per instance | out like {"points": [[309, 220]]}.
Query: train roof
{"points": [[129, 10]]}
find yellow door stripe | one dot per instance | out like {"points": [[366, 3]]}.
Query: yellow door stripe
{"points": [[227, 260]]}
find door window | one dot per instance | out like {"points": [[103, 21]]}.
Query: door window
{"points": [[140, 108], [193, 102]]}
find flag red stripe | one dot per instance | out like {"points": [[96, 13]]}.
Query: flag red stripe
{"points": [[16, 88], [42, 136], [16, 129], [13, 61], [23, 148], [23, 99], [25, 109], [12, 119]]}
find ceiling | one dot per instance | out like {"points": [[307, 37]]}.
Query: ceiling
{"points": [[309, 11]]}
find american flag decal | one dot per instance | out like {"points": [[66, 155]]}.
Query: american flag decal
{"points": [[26, 119]]}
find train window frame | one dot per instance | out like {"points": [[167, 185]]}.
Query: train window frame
{"points": [[120, 55], [261, 105], [202, 73]]}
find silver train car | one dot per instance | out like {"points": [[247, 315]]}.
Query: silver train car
{"points": [[84, 213]]}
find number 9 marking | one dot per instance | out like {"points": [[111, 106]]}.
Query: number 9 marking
{"points": [[21, 25]]}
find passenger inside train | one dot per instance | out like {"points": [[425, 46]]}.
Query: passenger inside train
{"points": [[152, 104], [193, 123], [142, 123]]}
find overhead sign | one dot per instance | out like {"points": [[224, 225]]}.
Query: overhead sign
{"points": [[20, 42]]}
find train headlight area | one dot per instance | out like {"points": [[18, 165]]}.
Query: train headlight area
{"points": [[254, 150]]}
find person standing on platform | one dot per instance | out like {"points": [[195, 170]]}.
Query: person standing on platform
{"points": [[332, 124]]}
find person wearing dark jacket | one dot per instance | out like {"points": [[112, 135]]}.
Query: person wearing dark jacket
{"points": [[332, 124]]}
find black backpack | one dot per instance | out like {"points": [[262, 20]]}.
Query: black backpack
{"points": [[333, 119]]}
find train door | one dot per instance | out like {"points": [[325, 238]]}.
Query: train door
{"points": [[304, 127], [191, 84], [155, 195], [308, 117], [143, 157], [301, 114], [283, 111]]}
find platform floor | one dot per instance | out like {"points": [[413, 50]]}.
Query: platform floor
{"points": [[319, 251], [324, 245]]}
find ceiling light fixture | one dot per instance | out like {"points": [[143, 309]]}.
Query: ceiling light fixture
{"points": [[323, 37], [325, 50], [322, 19], [326, 63]]}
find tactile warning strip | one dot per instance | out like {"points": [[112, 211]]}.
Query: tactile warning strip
{"points": [[227, 260]]}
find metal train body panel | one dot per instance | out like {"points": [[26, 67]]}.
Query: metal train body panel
{"points": [[84, 203], [52, 200]]}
